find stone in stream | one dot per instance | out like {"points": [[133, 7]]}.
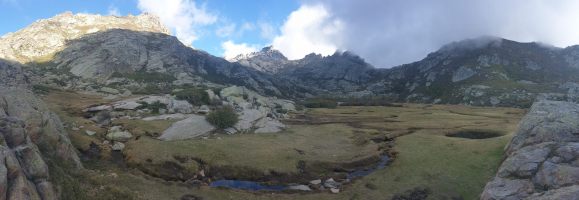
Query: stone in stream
{"points": [[331, 183], [316, 182], [300, 187]]}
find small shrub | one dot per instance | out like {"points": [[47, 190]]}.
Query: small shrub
{"points": [[320, 103], [299, 107], [41, 89], [154, 107], [194, 96], [223, 117]]}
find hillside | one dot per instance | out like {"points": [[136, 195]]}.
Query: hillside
{"points": [[135, 54], [484, 71]]}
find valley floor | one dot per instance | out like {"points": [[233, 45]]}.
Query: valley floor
{"points": [[318, 144]]}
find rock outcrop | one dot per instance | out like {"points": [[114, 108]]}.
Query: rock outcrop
{"points": [[42, 39], [256, 113], [542, 158], [23, 172], [192, 127], [29, 134]]}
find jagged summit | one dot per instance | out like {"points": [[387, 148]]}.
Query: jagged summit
{"points": [[266, 52], [43, 38], [267, 60]]}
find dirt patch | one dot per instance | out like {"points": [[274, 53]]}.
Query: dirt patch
{"points": [[475, 134]]}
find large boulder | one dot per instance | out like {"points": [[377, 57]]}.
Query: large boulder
{"points": [[547, 121], [542, 157], [192, 127], [256, 111], [248, 117]]}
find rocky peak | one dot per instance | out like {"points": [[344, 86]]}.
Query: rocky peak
{"points": [[267, 60], [42, 39], [265, 53]]}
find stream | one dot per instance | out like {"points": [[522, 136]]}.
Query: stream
{"points": [[257, 186]]}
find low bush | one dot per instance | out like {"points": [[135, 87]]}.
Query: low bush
{"points": [[194, 96], [223, 117], [153, 107], [41, 89]]}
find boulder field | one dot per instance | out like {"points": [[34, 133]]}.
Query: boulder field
{"points": [[257, 113]]}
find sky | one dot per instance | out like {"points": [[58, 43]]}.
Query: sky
{"points": [[386, 33]]}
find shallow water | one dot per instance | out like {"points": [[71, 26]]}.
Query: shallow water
{"points": [[365, 172], [247, 185], [256, 186]]}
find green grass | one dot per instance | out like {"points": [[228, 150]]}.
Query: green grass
{"points": [[449, 167], [262, 152]]}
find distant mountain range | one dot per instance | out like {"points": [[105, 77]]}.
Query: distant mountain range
{"points": [[136, 54]]}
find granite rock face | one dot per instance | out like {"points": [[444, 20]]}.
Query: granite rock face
{"points": [[23, 172], [29, 134], [45, 37], [542, 158]]}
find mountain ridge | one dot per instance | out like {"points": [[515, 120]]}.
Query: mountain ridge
{"points": [[486, 71], [41, 39]]}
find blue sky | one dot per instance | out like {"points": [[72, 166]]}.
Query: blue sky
{"points": [[248, 15]]}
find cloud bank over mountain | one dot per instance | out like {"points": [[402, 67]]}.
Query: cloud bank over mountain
{"points": [[385, 33], [389, 33]]}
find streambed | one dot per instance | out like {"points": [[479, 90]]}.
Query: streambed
{"points": [[257, 186]]}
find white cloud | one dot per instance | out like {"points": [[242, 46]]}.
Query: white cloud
{"points": [[231, 30], [266, 30], [246, 26], [231, 49], [184, 17], [226, 30], [309, 29], [113, 10], [389, 33]]}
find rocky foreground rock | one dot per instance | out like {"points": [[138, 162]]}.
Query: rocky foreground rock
{"points": [[542, 158], [29, 136]]}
